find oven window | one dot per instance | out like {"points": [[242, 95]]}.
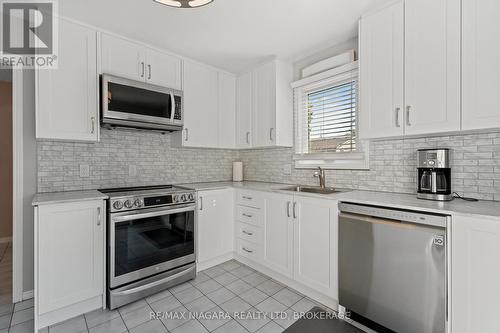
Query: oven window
{"points": [[138, 101], [150, 241]]}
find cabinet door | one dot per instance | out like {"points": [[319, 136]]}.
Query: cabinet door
{"points": [[244, 111], [432, 66], [480, 68], [70, 254], [200, 106], [122, 58], [215, 224], [264, 105], [381, 73], [316, 245], [227, 110], [278, 233], [475, 274], [67, 102], [163, 69]]}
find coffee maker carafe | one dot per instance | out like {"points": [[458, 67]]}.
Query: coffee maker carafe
{"points": [[434, 174]]}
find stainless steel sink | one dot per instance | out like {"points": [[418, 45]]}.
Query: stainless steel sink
{"points": [[312, 189]]}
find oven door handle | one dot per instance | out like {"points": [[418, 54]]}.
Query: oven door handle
{"points": [[153, 284], [130, 217]]}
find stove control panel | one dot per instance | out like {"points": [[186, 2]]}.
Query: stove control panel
{"points": [[132, 203]]}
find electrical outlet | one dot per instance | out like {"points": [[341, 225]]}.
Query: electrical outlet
{"points": [[287, 169], [84, 171], [132, 170]]}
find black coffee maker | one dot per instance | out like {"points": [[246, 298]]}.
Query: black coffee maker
{"points": [[434, 174]]}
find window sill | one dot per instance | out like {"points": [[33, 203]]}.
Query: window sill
{"points": [[333, 161]]}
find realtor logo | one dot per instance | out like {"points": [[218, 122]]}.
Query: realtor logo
{"points": [[29, 33]]}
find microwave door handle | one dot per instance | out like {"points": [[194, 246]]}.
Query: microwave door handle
{"points": [[172, 106], [130, 217]]}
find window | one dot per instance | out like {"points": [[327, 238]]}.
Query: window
{"points": [[326, 112]]}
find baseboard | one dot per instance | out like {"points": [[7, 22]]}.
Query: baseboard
{"points": [[200, 266], [5, 240], [28, 294]]}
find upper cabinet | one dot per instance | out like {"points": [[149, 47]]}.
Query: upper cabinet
{"points": [[480, 67], [425, 51], [227, 110], [265, 106], [67, 97], [124, 58]]}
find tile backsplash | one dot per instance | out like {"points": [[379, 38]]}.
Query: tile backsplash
{"points": [[475, 168]]}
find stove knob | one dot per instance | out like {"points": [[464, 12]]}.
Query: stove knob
{"points": [[176, 198], [138, 203], [190, 197], [129, 204], [117, 205], [183, 198]]}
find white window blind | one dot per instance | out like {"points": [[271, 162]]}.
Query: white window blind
{"points": [[326, 114]]}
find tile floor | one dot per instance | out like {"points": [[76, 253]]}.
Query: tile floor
{"points": [[229, 289]]}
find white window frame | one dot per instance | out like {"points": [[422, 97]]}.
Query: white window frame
{"points": [[358, 160]]}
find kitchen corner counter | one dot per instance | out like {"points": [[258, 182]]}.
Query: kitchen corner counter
{"points": [[482, 208], [61, 197]]}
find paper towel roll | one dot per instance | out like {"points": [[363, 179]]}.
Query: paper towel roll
{"points": [[237, 171]]}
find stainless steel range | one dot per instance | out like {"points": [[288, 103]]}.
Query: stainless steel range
{"points": [[151, 247]]}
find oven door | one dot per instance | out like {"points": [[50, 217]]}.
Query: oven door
{"points": [[146, 242]]}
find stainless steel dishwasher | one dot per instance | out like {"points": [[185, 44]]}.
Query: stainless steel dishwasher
{"points": [[393, 267]]}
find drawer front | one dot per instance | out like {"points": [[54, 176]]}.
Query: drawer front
{"points": [[249, 250], [250, 199], [249, 233], [249, 215]]}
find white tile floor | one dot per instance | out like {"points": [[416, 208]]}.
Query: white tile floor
{"points": [[227, 289]]}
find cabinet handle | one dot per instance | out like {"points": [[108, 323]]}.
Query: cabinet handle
{"points": [[201, 203], [98, 215], [247, 233], [149, 72], [398, 123], [187, 135], [408, 110], [249, 251], [288, 208], [248, 198], [92, 130], [142, 68], [247, 215], [248, 138], [271, 134], [295, 210]]}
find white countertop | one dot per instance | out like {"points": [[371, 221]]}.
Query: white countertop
{"points": [[60, 197], [482, 208]]}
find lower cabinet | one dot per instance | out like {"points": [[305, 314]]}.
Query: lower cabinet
{"points": [[215, 226], [69, 260], [475, 273]]}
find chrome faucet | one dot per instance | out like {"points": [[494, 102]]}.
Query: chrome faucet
{"points": [[321, 175]]}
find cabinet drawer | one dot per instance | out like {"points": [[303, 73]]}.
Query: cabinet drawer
{"points": [[249, 215], [249, 233], [248, 250], [250, 199]]}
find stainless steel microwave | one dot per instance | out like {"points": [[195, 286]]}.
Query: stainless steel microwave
{"points": [[129, 103]]}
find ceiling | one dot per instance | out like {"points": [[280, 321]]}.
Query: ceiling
{"points": [[229, 34]]}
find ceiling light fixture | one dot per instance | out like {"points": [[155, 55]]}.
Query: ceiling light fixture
{"points": [[184, 3]]}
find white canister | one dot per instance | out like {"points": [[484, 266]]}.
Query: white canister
{"points": [[237, 171]]}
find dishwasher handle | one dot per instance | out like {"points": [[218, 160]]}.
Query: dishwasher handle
{"points": [[376, 220]]}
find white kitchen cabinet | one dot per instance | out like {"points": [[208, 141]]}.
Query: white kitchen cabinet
{"points": [[215, 226], [226, 110], [316, 244], [432, 66], [480, 68], [272, 113], [428, 100], [475, 274], [67, 97], [123, 58], [163, 69], [200, 106], [244, 111], [278, 233], [69, 260], [381, 74]]}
